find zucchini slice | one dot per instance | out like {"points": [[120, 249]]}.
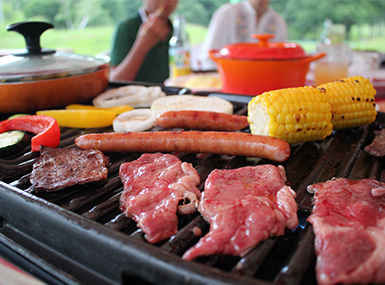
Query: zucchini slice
{"points": [[12, 142]]}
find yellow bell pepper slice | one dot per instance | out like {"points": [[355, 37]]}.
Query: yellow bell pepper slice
{"points": [[81, 118], [117, 109]]}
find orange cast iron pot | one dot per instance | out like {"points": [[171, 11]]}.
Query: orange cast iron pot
{"points": [[253, 68], [28, 97]]}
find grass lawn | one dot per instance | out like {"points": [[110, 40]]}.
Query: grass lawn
{"points": [[95, 40], [90, 41]]}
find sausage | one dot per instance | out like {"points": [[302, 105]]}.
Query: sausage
{"points": [[230, 143], [201, 120]]}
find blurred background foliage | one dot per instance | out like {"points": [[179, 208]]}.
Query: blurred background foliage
{"points": [[87, 25]]}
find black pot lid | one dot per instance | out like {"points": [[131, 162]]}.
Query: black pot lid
{"points": [[36, 63]]}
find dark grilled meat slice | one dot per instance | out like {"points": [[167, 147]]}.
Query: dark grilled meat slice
{"points": [[59, 168]]}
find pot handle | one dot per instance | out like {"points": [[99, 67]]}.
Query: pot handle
{"points": [[214, 54], [31, 31], [263, 39], [313, 57]]}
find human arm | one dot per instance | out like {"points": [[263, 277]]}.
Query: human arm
{"points": [[217, 36], [273, 23], [281, 32], [149, 34]]}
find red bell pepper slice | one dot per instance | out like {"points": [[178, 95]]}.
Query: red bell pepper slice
{"points": [[46, 129]]}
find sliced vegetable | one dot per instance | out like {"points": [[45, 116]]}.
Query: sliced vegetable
{"points": [[192, 102], [81, 118], [17, 115], [153, 93], [46, 129], [117, 109], [13, 141], [137, 120], [132, 95]]}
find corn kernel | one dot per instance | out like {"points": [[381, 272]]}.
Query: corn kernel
{"points": [[348, 98], [292, 114]]}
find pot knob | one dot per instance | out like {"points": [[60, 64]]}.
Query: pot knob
{"points": [[263, 38], [31, 32]]}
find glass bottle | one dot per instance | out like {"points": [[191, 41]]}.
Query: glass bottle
{"points": [[179, 49], [335, 64]]}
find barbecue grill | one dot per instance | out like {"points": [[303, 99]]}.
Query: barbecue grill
{"points": [[79, 236]]}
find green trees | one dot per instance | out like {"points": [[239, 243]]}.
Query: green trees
{"points": [[304, 17], [69, 14], [199, 11]]}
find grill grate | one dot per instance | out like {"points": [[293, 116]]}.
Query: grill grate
{"points": [[79, 235]]}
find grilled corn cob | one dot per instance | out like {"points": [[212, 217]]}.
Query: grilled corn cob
{"points": [[351, 100], [293, 114]]}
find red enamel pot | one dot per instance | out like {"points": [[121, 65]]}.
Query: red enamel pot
{"points": [[253, 68]]}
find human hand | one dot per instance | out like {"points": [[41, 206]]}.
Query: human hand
{"points": [[154, 30]]}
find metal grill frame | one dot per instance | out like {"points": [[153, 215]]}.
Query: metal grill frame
{"points": [[78, 235]]}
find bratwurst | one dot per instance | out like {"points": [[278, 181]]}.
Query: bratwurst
{"points": [[201, 120], [230, 143]]}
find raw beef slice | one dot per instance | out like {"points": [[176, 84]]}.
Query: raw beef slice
{"points": [[377, 147], [154, 185], [244, 206], [349, 224]]}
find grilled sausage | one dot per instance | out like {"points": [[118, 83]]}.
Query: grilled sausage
{"points": [[201, 120], [231, 143]]}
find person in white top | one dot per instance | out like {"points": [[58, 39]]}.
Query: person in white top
{"points": [[234, 23]]}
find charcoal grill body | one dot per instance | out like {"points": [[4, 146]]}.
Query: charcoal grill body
{"points": [[79, 236]]}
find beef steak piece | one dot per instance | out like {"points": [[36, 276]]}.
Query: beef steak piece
{"points": [[59, 168], [244, 206], [349, 224], [154, 185], [377, 147]]}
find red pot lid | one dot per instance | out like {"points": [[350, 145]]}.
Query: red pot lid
{"points": [[263, 49]]}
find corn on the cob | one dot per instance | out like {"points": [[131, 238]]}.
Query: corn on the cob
{"points": [[293, 114], [351, 100]]}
